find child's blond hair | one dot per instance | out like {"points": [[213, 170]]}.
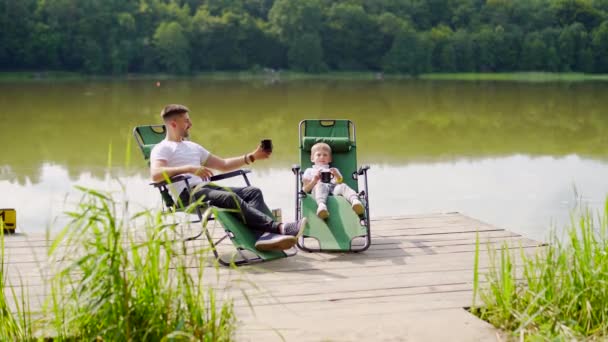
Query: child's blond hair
{"points": [[320, 146]]}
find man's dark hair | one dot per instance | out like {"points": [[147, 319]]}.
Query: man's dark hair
{"points": [[173, 110]]}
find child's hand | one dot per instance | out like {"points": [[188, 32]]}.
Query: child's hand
{"points": [[337, 174], [316, 176]]}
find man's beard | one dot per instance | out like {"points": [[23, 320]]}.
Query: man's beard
{"points": [[186, 134]]}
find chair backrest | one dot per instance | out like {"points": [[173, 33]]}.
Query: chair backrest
{"points": [[147, 136], [340, 136]]}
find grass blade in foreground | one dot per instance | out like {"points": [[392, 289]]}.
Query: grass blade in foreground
{"points": [[10, 329], [121, 287], [563, 293]]}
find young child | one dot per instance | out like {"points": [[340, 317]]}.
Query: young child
{"points": [[320, 155]]}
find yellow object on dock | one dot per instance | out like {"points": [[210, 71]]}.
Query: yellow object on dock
{"points": [[8, 217]]}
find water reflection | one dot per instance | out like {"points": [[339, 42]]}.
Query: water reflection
{"points": [[507, 153], [524, 194]]}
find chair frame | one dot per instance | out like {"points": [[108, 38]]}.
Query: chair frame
{"points": [[301, 194]]}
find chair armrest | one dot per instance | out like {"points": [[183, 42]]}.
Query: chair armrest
{"points": [[363, 169], [174, 179], [180, 178], [229, 174]]}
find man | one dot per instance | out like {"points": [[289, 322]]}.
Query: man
{"points": [[176, 155]]}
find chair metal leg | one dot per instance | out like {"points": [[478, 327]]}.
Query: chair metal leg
{"points": [[206, 217], [204, 221]]}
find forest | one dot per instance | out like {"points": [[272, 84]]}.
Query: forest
{"points": [[184, 37]]}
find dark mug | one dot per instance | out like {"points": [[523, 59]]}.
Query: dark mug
{"points": [[266, 145], [326, 176]]}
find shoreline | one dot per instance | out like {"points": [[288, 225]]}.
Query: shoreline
{"points": [[272, 76]]}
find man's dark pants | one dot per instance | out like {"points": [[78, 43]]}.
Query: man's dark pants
{"points": [[250, 201]]}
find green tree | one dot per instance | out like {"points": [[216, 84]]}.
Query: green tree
{"points": [[290, 19], [122, 49], [573, 48], [390, 26], [600, 47], [508, 47], [215, 41], [550, 37], [258, 8], [601, 5], [16, 24], [411, 53], [148, 16], [263, 48], [44, 46], [426, 14], [66, 19], [497, 12], [92, 55], [443, 57], [463, 50], [532, 15], [306, 53], [351, 38], [533, 52], [172, 47], [485, 49], [298, 25], [497, 48], [465, 15], [568, 12], [219, 7], [117, 36]]}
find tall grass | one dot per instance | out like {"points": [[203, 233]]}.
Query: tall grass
{"points": [[15, 319], [10, 329], [120, 281], [561, 292], [124, 287]]}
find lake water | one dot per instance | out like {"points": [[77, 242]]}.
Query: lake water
{"points": [[520, 156]]}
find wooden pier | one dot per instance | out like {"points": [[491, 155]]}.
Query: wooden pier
{"points": [[412, 284]]}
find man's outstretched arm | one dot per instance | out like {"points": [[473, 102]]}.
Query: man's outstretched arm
{"points": [[229, 164]]}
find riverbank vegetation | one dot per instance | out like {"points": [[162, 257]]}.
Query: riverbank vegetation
{"points": [[405, 36], [518, 77], [117, 283], [271, 77], [558, 294]]}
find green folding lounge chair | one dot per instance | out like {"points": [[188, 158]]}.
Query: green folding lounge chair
{"points": [[343, 231], [241, 236]]}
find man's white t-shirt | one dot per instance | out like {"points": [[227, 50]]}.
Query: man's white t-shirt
{"points": [[180, 154]]}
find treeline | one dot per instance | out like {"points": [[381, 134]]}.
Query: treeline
{"points": [[402, 36]]}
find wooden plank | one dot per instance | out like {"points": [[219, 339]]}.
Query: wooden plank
{"points": [[368, 307], [413, 245], [316, 261]]}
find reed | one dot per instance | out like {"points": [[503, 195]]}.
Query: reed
{"points": [[11, 328], [128, 287], [120, 277], [558, 293]]}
